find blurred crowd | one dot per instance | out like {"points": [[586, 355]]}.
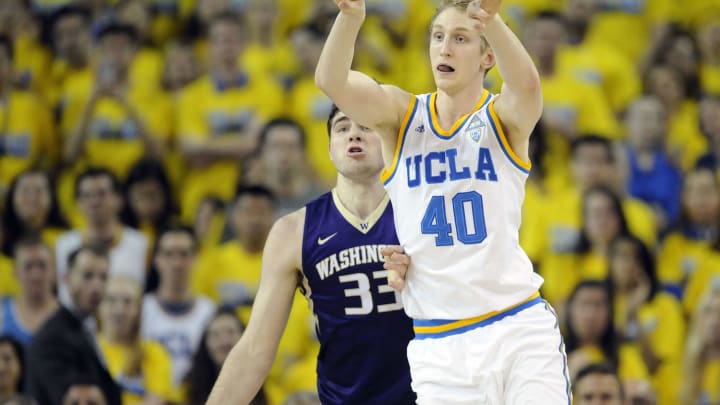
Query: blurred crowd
{"points": [[147, 146]]}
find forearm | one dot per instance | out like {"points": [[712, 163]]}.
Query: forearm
{"points": [[241, 377], [517, 69], [75, 145], [335, 61]]}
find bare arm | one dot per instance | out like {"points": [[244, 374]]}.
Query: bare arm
{"points": [[356, 94], [249, 362], [76, 144], [519, 105]]}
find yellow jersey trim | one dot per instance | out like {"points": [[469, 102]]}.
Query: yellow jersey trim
{"points": [[390, 170], [503, 138], [436, 124], [469, 321]]}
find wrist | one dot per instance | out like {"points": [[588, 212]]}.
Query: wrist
{"points": [[354, 20]]}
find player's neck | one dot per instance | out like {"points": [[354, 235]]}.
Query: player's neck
{"points": [[360, 197], [451, 106]]}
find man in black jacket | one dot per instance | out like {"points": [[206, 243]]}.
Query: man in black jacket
{"points": [[64, 348]]}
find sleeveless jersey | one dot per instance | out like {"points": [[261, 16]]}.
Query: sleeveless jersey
{"points": [[458, 196], [362, 329], [178, 334]]}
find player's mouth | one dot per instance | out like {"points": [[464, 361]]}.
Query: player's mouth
{"points": [[355, 151], [445, 68]]}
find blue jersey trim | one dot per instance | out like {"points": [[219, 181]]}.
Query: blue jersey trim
{"points": [[396, 161], [497, 136]]}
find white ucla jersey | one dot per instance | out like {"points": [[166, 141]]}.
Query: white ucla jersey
{"points": [[179, 334], [458, 197]]}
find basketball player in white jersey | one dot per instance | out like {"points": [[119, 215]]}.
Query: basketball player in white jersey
{"points": [[456, 165]]}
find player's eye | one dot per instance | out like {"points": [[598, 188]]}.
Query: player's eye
{"points": [[365, 129], [460, 39], [438, 36]]}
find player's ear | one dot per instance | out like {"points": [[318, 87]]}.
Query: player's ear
{"points": [[488, 59]]}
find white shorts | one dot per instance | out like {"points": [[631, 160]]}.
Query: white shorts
{"points": [[516, 357]]}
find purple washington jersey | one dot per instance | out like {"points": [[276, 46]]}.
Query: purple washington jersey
{"points": [[360, 323]]}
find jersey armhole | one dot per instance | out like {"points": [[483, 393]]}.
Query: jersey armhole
{"points": [[503, 141], [389, 172]]}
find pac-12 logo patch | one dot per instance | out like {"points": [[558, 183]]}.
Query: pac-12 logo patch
{"points": [[475, 128]]}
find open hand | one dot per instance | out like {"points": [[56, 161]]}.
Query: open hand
{"points": [[483, 11], [396, 263], [355, 8]]}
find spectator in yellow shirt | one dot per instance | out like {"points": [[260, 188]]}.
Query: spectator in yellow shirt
{"points": [[120, 120], [646, 316], [230, 274], [32, 59], [31, 209], [602, 221], [596, 62], [572, 108], [307, 104], [221, 334], [594, 163], [219, 116], [149, 205], [688, 244], [71, 48], [708, 36], [147, 64], [590, 333], [27, 138], [701, 368], [685, 141], [597, 383], [140, 367]]}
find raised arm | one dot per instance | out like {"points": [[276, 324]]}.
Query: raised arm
{"points": [[519, 105], [249, 362], [360, 97]]}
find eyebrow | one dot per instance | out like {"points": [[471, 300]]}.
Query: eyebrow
{"points": [[341, 119], [440, 27]]}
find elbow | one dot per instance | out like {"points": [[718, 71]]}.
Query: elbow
{"points": [[321, 80], [532, 83]]}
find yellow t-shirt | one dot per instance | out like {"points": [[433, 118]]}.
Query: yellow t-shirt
{"points": [[155, 371], [113, 139], [605, 67], [228, 274], [678, 258], [627, 24], [708, 271], [710, 78], [631, 365], [169, 17], [580, 106], [28, 136], [685, 141], [31, 64], [711, 382], [533, 232], [146, 69], [9, 285], [562, 272], [207, 110]]}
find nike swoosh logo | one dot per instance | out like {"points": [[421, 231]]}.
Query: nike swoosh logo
{"points": [[322, 241]]}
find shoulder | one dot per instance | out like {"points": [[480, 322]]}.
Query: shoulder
{"points": [[291, 224]]}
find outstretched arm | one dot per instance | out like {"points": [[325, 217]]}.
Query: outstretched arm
{"points": [[519, 105], [249, 362], [356, 94]]}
